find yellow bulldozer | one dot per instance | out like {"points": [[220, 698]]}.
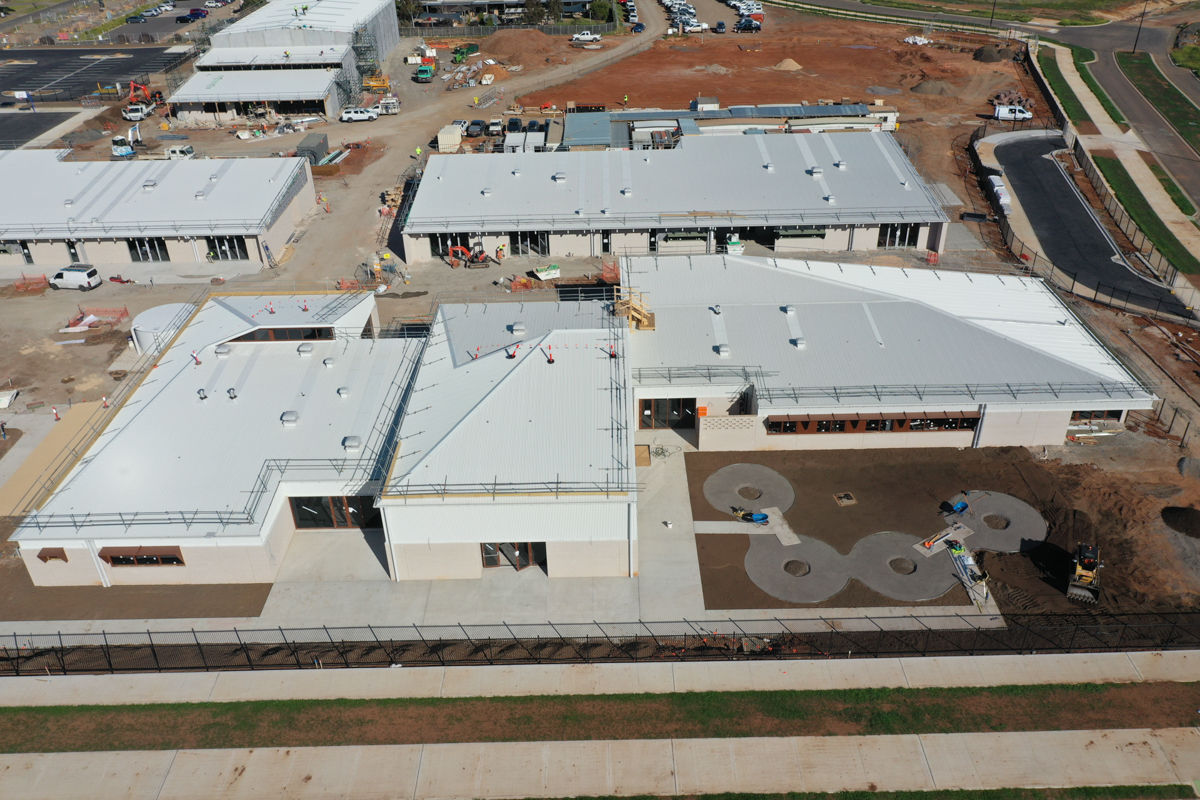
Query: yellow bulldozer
{"points": [[1084, 583]]}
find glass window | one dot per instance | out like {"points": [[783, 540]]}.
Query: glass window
{"points": [[899, 235], [227, 248], [781, 426], [312, 512], [336, 512], [148, 249]]}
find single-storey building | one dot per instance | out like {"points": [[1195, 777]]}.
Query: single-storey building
{"points": [[134, 212], [805, 191], [771, 354]]}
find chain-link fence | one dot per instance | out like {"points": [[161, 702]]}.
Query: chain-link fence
{"points": [[433, 645]]}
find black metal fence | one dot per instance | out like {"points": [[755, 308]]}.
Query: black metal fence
{"points": [[429, 645], [480, 31]]}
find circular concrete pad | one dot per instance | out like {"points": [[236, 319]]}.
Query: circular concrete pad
{"points": [[723, 486], [870, 561], [1025, 529], [767, 561]]}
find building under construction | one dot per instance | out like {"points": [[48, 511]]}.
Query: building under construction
{"points": [[285, 59]]}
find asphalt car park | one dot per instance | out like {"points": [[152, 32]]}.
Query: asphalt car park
{"points": [[77, 71], [165, 24], [20, 127], [714, 11], [1070, 236]]}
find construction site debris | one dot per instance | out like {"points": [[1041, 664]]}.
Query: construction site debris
{"points": [[525, 47], [1013, 97], [918, 40], [787, 65], [990, 54], [941, 88]]}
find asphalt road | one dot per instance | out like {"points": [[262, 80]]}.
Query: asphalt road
{"points": [[19, 127], [78, 70], [1068, 234], [161, 26]]}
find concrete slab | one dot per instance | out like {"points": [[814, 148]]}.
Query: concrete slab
{"points": [[821, 675], [1019, 670], [777, 525], [326, 684], [1051, 758], [1179, 665], [1181, 746], [758, 765], [126, 775], [39, 464]]}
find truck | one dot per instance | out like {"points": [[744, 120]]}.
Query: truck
{"points": [[496, 126], [178, 153], [425, 73], [138, 111], [586, 36], [388, 104]]}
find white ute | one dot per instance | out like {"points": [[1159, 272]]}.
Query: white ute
{"points": [[586, 36]]}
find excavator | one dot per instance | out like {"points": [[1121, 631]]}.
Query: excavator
{"points": [[1084, 583], [147, 96], [476, 258]]}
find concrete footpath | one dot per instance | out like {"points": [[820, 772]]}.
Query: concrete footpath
{"points": [[576, 679], [966, 761]]}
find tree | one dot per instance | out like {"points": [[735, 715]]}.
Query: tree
{"points": [[554, 10], [534, 13], [601, 10], [407, 9]]}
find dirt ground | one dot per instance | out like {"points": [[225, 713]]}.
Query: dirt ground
{"points": [[1116, 506], [21, 600]]}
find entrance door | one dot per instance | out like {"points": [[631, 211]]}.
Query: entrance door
{"points": [[73, 252], [677, 413], [605, 243], [518, 555]]}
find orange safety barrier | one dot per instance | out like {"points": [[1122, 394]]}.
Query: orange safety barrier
{"points": [[31, 283], [522, 284]]}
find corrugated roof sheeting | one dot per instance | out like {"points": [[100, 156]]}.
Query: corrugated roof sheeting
{"points": [[745, 181], [863, 326], [255, 84], [549, 520], [328, 15]]}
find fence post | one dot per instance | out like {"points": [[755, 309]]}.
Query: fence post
{"points": [[340, 651], [295, 654], [1024, 638], [16, 655], [200, 650], [61, 663], [245, 650], [107, 654], [153, 652]]}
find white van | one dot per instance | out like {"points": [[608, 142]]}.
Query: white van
{"points": [[82, 277], [1012, 113]]}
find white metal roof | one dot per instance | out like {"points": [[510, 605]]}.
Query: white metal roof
{"points": [[478, 417], [325, 15], [566, 521], [182, 467], [256, 85], [873, 337], [105, 199], [256, 56], [738, 181]]}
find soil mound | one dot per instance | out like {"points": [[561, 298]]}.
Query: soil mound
{"points": [[787, 65], [1189, 467], [521, 47], [1184, 520], [935, 87], [990, 54]]}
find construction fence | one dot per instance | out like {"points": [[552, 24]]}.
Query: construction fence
{"points": [[447, 645]]}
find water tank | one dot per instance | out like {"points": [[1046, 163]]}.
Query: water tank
{"points": [[154, 327]]}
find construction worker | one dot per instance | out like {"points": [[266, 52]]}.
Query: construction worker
{"points": [[418, 152], [211, 256], [626, 100], [500, 253]]}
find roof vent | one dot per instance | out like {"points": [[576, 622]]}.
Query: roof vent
{"points": [[627, 191], [352, 444], [289, 418], [212, 178], [770, 167], [798, 343], [816, 172], [343, 392], [723, 350], [605, 210], [904, 182], [487, 192], [517, 172], [840, 164], [68, 203], [560, 177], [223, 350], [789, 310], [831, 200], [328, 363], [148, 186], [305, 350], [518, 328], [95, 220], [199, 195]]}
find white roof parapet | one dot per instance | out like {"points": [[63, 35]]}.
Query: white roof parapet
{"points": [[707, 181]]}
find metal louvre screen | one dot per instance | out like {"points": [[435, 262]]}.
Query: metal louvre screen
{"points": [[299, 181], [573, 643]]}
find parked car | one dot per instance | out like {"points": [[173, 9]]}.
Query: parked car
{"points": [[721, 26], [83, 277], [633, 18], [514, 125], [199, 11], [1012, 113], [747, 26], [213, 4], [151, 12], [358, 115], [638, 28], [533, 127], [136, 18], [476, 127], [186, 19], [586, 36], [462, 124]]}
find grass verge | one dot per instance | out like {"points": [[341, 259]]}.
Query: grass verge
{"points": [[1082, 56], [1083, 793], [1181, 200], [1187, 57], [1162, 94], [1082, 19], [1135, 203], [1066, 96], [305, 723], [1007, 16]]}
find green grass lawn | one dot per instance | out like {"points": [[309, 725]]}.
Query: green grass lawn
{"points": [[1162, 94], [1082, 56], [1181, 200], [1134, 202], [1188, 57], [1066, 96]]}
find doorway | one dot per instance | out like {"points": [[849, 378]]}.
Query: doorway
{"points": [[73, 251], [518, 555], [677, 413]]}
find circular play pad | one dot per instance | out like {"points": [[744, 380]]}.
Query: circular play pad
{"points": [[750, 486]]}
